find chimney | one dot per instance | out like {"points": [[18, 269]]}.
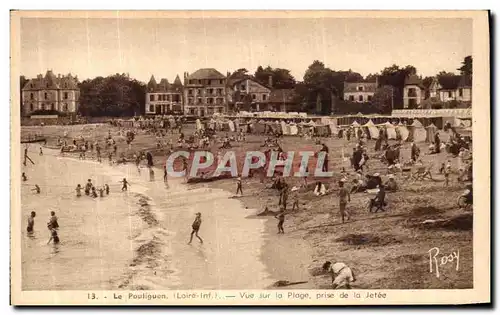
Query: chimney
{"points": [[270, 81]]}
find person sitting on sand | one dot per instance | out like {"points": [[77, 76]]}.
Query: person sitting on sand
{"points": [[320, 189], [391, 184], [78, 190], [31, 222], [281, 220], [196, 228], [24, 177], [342, 275], [125, 184], [36, 189], [359, 184], [53, 236]]}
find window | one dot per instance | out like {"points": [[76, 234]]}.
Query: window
{"points": [[65, 107], [47, 84], [199, 100], [209, 82], [369, 98], [191, 111], [360, 98], [412, 92], [460, 92], [351, 98], [65, 95], [52, 107], [243, 87], [264, 97], [219, 92], [210, 100], [32, 96], [31, 107], [220, 109], [176, 97], [449, 94], [151, 108], [190, 92], [191, 81], [220, 100], [221, 81], [199, 81], [46, 96], [190, 101], [254, 96], [360, 88], [198, 92], [151, 97]]}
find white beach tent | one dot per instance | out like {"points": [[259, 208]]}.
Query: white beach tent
{"points": [[293, 129], [198, 125], [372, 129], [230, 124], [390, 130], [403, 131], [418, 131], [356, 127]]}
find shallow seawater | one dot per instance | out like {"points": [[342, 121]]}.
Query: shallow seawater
{"points": [[136, 239]]}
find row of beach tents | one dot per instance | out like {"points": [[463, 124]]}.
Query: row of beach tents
{"points": [[413, 132]]}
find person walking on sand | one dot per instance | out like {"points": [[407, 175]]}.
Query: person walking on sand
{"points": [[78, 190], [106, 187], [31, 222], [196, 228], [342, 275], [281, 220], [344, 197], [151, 175], [239, 186], [41, 151], [125, 184], [24, 177]]}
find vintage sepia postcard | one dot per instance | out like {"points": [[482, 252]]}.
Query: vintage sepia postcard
{"points": [[250, 157]]}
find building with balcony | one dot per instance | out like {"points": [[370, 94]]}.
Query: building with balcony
{"points": [[360, 92], [164, 97], [51, 92], [413, 91], [205, 92]]}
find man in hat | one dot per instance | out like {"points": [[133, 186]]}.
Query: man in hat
{"points": [[196, 228], [342, 275]]}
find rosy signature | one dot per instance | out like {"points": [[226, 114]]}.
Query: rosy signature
{"points": [[436, 260]]}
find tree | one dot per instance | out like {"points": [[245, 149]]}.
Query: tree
{"points": [[395, 76], [382, 99], [239, 73], [116, 95], [281, 78], [466, 68], [22, 83]]}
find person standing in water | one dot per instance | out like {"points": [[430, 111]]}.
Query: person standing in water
{"points": [[88, 186], [106, 187], [125, 184], [31, 222], [151, 175], [196, 228], [101, 192], [24, 177], [53, 236], [41, 151], [36, 189], [94, 193], [78, 190], [344, 197], [53, 224]]}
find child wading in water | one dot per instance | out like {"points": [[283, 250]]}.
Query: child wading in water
{"points": [[53, 236], [196, 227], [78, 190], [125, 184], [281, 220]]}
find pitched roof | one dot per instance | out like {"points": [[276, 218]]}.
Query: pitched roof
{"points": [[206, 73], [465, 81], [282, 96], [413, 79], [449, 82], [233, 82], [51, 82], [177, 80], [353, 86]]}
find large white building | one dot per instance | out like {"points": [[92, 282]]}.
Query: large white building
{"points": [[51, 92], [164, 97]]}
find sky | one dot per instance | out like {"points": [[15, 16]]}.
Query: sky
{"points": [[90, 47]]}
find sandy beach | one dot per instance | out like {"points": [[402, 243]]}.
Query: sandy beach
{"points": [[388, 250]]}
